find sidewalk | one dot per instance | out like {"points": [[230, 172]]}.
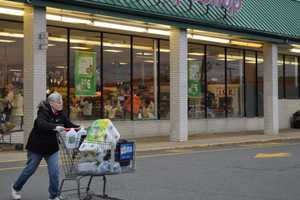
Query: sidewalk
{"points": [[216, 140], [147, 145]]}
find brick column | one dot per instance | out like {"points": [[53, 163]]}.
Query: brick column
{"points": [[34, 64], [271, 121], [178, 85]]}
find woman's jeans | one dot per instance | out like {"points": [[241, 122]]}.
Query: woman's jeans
{"points": [[31, 166]]}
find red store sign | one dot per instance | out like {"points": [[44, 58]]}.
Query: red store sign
{"points": [[232, 6]]}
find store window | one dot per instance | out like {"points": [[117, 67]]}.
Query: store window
{"points": [[280, 77], [250, 81], [85, 69], [291, 77], [11, 71], [144, 79], [196, 81], [215, 65], [235, 86], [57, 61], [116, 76], [164, 81], [260, 84]]}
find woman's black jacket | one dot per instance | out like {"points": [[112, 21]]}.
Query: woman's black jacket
{"points": [[42, 139]]}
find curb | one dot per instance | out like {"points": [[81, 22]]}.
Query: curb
{"points": [[224, 144]]}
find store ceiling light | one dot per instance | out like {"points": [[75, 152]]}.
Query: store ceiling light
{"points": [[80, 48], [165, 50], [113, 51], [148, 61], [196, 54], [209, 39], [158, 32], [7, 41], [119, 26], [86, 42], [117, 45], [53, 17], [246, 44], [230, 57], [13, 35], [144, 54], [67, 19], [11, 11], [294, 50], [15, 70], [296, 45], [75, 20]]}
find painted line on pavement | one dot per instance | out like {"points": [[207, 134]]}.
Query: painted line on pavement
{"points": [[272, 155], [9, 161], [16, 168]]}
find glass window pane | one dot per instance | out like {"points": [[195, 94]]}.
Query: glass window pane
{"points": [[260, 84], [196, 81], [144, 78], [164, 104], [291, 77], [250, 80], [116, 79], [57, 68], [235, 86], [280, 77], [85, 83], [216, 102], [11, 71]]}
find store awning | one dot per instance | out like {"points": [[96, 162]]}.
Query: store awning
{"points": [[277, 19]]}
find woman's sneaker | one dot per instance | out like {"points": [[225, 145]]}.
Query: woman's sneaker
{"points": [[15, 195]]}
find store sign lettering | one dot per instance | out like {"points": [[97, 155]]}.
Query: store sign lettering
{"points": [[232, 6]]}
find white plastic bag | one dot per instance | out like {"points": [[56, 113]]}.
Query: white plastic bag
{"points": [[89, 147], [82, 132], [71, 139], [112, 134], [87, 167]]}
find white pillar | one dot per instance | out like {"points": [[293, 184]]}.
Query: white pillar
{"points": [[34, 63], [271, 121], [178, 85]]}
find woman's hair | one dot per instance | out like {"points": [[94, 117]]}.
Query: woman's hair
{"points": [[54, 97]]}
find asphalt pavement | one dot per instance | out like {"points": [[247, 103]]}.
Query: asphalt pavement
{"points": [[241, 172]]}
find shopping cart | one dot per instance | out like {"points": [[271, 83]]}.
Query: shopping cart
{"points": [[124, 153]]}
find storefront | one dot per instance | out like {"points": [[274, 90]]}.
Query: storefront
{"points": [[154, 67]]}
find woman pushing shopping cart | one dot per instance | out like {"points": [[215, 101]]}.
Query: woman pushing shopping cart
{"points": [[97, 152]]}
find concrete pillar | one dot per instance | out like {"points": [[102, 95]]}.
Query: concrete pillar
{"points": [[35, 55], [271, 121], [178, 85]]}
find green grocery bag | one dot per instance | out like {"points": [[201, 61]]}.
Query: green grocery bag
{"points": [[97, 131], [102, 130]]}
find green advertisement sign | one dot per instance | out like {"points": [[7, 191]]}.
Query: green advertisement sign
{"points": [[194, 83], [85, 73]]}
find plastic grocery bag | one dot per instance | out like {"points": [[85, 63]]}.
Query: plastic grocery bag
{"points": [[82, 132], [102, 130], [87, 167], [88, 147], [72, 139]]}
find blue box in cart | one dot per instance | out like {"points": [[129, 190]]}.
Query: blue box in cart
{"points": [[126, 151]]}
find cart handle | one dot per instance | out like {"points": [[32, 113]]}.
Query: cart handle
{"points": [[76, 129]]}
